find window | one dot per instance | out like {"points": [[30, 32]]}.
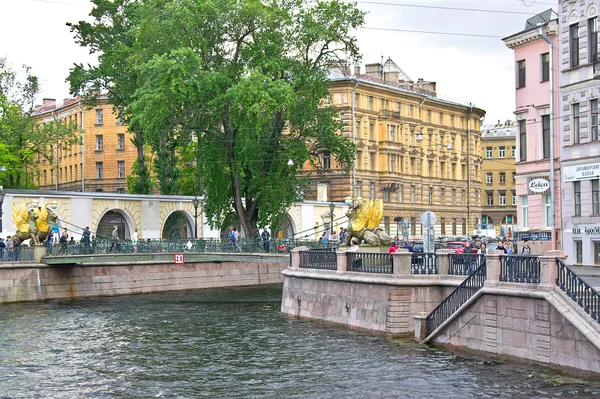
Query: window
{"points": [[326, 160], [578, 252], [488, 152], [514, 179], [513, 152], [453, 194], [464, 226], [546, 136], [577, 197], [392, 133], [523, 140], [442, 196], [99, 142], [372, 131], [99, 117], [489, 178], [514, 198], [430, 168], [428, 116], [410, 110], [372, 160], [592, 39], [596, 197], [454, 227], [412, 194], [392, 163], [370, 103], [575, 118], [413, 226], [120, 190], [441, 118], [120, 141], [76, 174], [545, 61], [574, 45], [548, 210], [502, 177], [99, 170], [357, 128], [358, 160], [594, 119], [452, 120], [502, 198], [489, 198], [412, 138], [525, 211], [596, 253], [121, 169], [356, 97], [120, 116], [443, 226], [358, 189], [501, 152], [521, 74], [464, 197], [400, 193], [386, 195], [372, 191]]}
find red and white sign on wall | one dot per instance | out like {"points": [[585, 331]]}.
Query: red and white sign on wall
{"points": [[179, 259]]}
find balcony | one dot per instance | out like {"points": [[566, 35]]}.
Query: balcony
{"points": [[387, 114]]}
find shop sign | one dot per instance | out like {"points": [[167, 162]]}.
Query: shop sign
{"points": [[538, 185], [581, 172], [535, 236], [587, 230]]}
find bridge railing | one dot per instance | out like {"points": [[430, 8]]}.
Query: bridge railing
{"points": [[464, 264], [19, 254], [369, 262], [520, 269], [423, 263], [578, 290], [324, 259], [456, 299]]}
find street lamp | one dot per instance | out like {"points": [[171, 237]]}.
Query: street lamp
{"points": [[2, 194], [196, 202], [331, 209]]}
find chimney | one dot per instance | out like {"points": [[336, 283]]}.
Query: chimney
{"points": [[373, 71], [49, 102], [356, 70]]}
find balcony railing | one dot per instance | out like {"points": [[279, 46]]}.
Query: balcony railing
{"points": [[324, 259], [520, 269], [423, 263], [369, 263], [387, 114], [464, 264]]}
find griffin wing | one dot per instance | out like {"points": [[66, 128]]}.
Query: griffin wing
{"points": [[375, 214], [41, 221], [20, 217], [362, 216]]}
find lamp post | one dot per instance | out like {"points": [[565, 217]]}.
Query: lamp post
{"points": [[196, 202], [2, 194], [331, 209]]}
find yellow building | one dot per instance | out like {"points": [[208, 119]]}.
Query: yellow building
{"points": [[415, 151], [105, 157], [498, 150]]}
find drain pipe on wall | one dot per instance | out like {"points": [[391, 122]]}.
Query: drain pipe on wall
{"points": [[353, 127], [82, 147], [552, 172]]}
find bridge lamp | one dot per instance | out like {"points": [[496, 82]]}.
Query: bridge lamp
{"points": [[331, 209], [196, 203], [2, 194]]}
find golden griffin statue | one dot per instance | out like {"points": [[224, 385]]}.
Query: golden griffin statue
{"points": [[33, 224], [363, 222]]}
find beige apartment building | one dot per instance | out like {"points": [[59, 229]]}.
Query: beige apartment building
{"points": [[103, 160], [415, 151]]}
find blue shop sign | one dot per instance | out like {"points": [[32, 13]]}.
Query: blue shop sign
{"points": [[536, 236]]}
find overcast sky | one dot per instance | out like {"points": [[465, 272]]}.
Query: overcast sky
{"points": [[466, 68]]}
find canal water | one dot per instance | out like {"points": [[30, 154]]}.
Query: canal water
{"points": [[235, 343]]}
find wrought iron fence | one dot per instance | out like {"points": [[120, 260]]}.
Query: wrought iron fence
{"points": [[456, 299], [464, 264], [324, 259], [423, 263], [19, 254], [369, 263], [179, 246], [578, 290], [520, 269]]}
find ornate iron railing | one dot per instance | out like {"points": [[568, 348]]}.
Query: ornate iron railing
{"points": [[456, 299], [186, 245], [324, 259], [423, 263], [369, 263], [578, 290], [19, 254], [520, 269], [464, 264]]}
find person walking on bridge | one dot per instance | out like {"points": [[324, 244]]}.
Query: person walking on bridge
{"points": [[115, 239], [85, 239], [266, 236]]}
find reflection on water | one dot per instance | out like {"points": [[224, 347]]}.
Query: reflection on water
{"points": [[234, 343]]}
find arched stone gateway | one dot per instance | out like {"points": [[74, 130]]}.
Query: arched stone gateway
{"points": [[285, 230], [177, 226], [110, 219]]}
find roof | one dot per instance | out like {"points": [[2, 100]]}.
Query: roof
{"points": [[540, 19], [506, 129], [391, 66]]}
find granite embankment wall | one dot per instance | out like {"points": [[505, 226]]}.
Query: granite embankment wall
{"points": [[91, 276]]}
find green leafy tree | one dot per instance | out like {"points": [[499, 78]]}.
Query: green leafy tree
{"points": [[226, 92], [22, 140]]}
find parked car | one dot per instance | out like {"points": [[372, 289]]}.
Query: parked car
{"points": [[456, 247], [492, 246]]}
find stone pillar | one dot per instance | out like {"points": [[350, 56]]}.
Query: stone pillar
{"points": [[401, 260], [492, 261], [296, 256], [342, 262], [549, 269], [39, 251], [443, 261], [420, 326]]}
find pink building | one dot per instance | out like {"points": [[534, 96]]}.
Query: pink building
{"points": [[537, 179]]}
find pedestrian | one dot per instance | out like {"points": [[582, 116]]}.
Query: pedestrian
{"points": [[16, 248], [354, 246], [63, 242], [9, 248], [50, 241], [134, 239], [85, 238], [342, 235], [266, 236], [508, 247], [324, 238], [234, 237], [501, 247], [467, 256], [394, 247], [526, 250], [2, 250], [482, 249], [408, 247], [334, 238], [115, 239]]}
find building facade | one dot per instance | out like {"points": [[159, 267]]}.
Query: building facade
{"points": [[580, 144], [103, 160], [498, 174], [415, 151], [538, 183]]}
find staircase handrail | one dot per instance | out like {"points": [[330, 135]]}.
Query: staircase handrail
{"points": [[578, 290]]}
